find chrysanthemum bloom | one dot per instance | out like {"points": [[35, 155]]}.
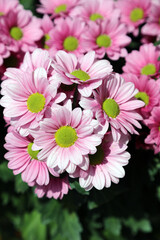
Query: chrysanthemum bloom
{"points": [[67, 36], [26, 98], [56, 188], [47, 26], [152, 27], [8, 5], [86, 72], [57, 7], [154, 125], [96, 10], [4, 53], [22, 159], [149, 91], [133, 13], [20, 31], [66, 137], [106, 165], [114, 104], [147, 63], [108, 37]]}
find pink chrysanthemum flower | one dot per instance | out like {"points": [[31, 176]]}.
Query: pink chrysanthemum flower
{"points": [[106, 165], [149, 91], [46, 26], [22, 159], [95, 10], [57, 7], [8, 5], [66, 137], [133, 13], [147, 63], [26, 98], [20, 31], [114, 104], [4, 53], [152, 27], [108, 37], [67, 36], [56, 188], [86, 72], [154, 125]]}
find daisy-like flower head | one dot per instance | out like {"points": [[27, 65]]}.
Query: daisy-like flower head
{"points": [[106, 165], [147, 63], [8, 5], [26, 98], [57, 7], [148, 89], [66, 137], [154, 125], [67, 36], [22, 159], [108, 37], [86, 72], [133, 13], [20, 30], [152, 27], [56, 188], [95, 10], [114, 104]]}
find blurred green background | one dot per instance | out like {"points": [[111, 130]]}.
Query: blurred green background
{"points": [[127, 211]]}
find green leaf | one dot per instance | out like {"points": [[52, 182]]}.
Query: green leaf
{"points": [[75, 185], [138, 225], [5, 173], [20, 186], [113, 226], [157, 43], [158, 58], [32, 227]]}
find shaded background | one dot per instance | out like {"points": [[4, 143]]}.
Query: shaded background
{"points": [[127, 211]]}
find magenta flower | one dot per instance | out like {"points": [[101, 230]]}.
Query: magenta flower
{"points": [[86, 72], [147, 63], [9, 5], [57, 7], [114, 104], [66, 137], [106, 165], [108, 37], [56, 188], [133, 13], [67, 36], [46, 26]]}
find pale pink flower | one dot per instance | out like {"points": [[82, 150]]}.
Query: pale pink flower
{"points": [[96, 10], [152, 27], [66, 137], [67, 36], [108, 37], [106, 165], [133, 13], [8, 5], [114, 104], [143, 62], [46, 26], [87, 72], [22, 159], [56, 188], [57, 7], [20, 31], [153, 123], [4, 53], [27, 97], [149, 91]]}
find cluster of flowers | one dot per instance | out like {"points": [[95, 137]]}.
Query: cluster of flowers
{"points": [[69, 114]]}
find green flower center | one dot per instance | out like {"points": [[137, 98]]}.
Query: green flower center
{"points": [[103, 41], [149, 69], [1, 13], [70, 43], [66, 136], [16, 33], [46, 38], [81, 75], [136, 14], [111, 108], [98, 157], [95, 16], [60, 8], [142, 96], [36, 102], [32, 154]]}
